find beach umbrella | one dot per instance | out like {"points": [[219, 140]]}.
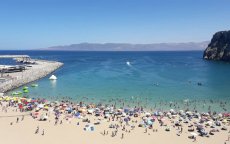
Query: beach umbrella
{"points": [[189, 113], [126, 119], [90, 111], [156, 113], [77, 114], [199, 126], [209, 122], [28, 100], [43, 117], [126, 110], [8, 98], [194, 134], [46, 107], [36, 113], [147, 114], [181, 111], [224, 121], [169, 114], [15, 98], [83, 110], [154, 117], [40, 106], [107, 115], [171, 110], [144, 118], [123, 114], [119, 110], [160, 113], [220, 115], [149, 122]]}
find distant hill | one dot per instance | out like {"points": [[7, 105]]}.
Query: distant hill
{"points": [[131, 47], [219, 47]]}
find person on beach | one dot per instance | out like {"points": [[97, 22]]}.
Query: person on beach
{"points": [[37, 130], [43, 132], [122, 135], [194, 139], [17, 120], [228, 138], [56, 122]]}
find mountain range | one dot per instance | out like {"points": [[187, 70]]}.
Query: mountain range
{"points": [[131, 47]]}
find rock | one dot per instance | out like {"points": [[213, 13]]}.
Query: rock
{"points": [[219, 47]]}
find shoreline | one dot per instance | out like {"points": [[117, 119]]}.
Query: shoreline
{"points": [[41, 69]]}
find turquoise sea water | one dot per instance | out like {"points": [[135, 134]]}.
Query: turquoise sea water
{"points": [[153, 79]]}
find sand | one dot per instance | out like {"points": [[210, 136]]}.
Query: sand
{"points": [[69, 132]]}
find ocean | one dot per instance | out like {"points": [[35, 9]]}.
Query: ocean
{"points": [[157, 80]]}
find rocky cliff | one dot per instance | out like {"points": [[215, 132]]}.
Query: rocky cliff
{"points": [[219, 47]]}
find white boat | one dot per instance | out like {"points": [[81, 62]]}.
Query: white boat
{"points": [[128, 63], [53, 77]]}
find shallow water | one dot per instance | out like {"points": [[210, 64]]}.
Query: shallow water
{"points": [[152, 79]]}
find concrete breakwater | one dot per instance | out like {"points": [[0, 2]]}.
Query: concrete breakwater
{"points": [[41, 69]]}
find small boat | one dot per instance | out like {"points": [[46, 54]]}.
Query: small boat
{"points": [[128, 63], [53, 77], [26, 91], [25, 88], [15, 93], [34, 85]]}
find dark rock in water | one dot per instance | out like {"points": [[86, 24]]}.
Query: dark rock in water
{"points": [[219, 47]]}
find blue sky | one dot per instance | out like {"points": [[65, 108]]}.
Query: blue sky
{"points": [[26, 24]]}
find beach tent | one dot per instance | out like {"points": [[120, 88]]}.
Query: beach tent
{"points": [[40, 106]]}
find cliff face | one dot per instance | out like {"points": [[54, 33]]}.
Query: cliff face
{"points": [[219, 47]]}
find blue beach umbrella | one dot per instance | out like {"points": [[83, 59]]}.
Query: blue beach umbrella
{"points": [[149, 122], [77, 114]]}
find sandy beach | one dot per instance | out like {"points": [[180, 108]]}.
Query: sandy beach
{"points": [[68, 126]]}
